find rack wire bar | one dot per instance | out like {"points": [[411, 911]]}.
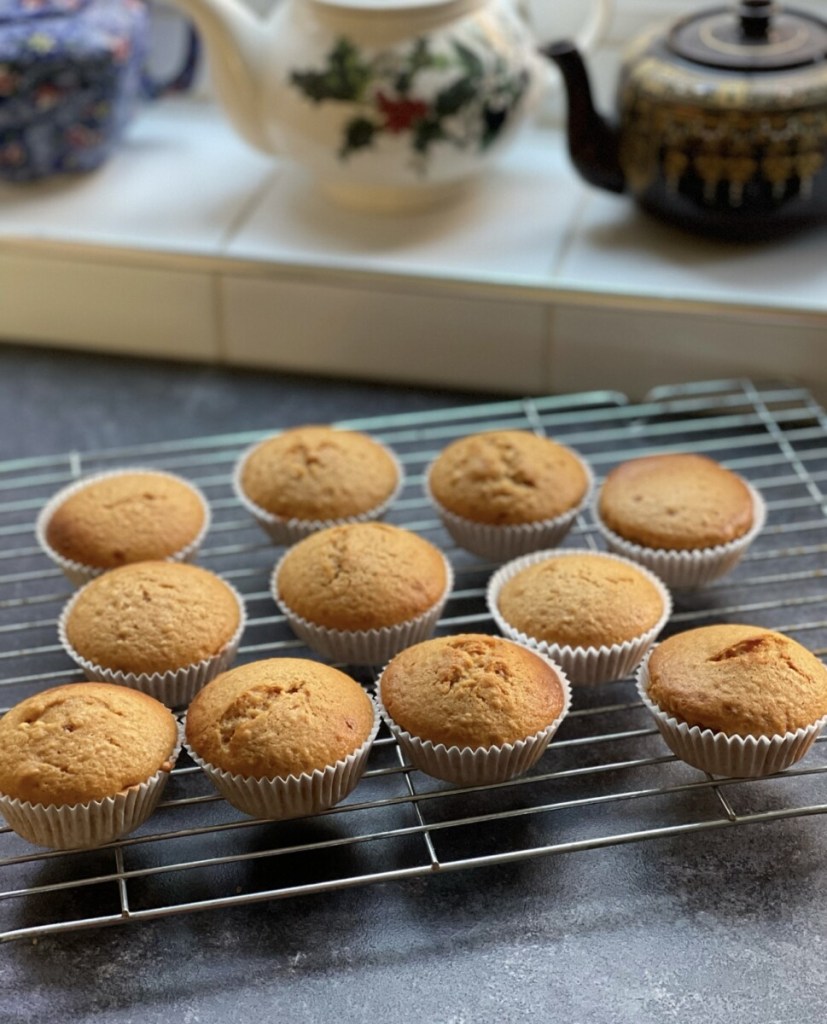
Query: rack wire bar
{"points": [[606, 779]]}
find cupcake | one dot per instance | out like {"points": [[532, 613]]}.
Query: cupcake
{"points": [[593, 613], [684, 516], [121, 517], [282, 738], [473, 709], [359, 593], [84, 763], [734, 700], [308, 478], [160, 627], [507, 492]]}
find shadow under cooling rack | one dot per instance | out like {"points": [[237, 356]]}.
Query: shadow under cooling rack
{"points": [[606, 778]]}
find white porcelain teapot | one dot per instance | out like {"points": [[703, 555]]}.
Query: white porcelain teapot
{"points": [[389, 104]]}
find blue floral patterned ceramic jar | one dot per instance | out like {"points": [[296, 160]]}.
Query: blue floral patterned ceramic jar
{"points": [[71, 73]]}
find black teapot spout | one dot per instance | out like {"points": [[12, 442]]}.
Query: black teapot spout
{"points": [[594, 143]]}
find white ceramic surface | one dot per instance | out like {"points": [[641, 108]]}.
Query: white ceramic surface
{"points": [[188, 242], [178, 183], [510, 229], [623, 252]]}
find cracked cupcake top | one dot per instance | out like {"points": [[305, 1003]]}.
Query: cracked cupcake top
{"points": [[319, 473], [586, 599], [740, 680], [152, 617], [507, 477], [279, 717], [81, 742], [126, 517], [471, 690], [361, 576]]}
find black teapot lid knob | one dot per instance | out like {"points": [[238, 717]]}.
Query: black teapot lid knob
{"points": [[755, 17], [754, 35]]}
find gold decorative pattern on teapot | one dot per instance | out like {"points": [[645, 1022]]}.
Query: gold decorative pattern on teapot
{"points": [[675, 124], [722, 120]]}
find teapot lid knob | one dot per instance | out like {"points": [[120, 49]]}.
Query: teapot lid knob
{"points": [[757, 35], [755, 16]]}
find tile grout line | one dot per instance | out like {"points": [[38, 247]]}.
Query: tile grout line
{"points": [[563, 250], [218, 276]]}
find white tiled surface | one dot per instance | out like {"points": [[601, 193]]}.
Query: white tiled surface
{"points": [[633, 350], [421, 338], [108, 307], [179, 182], [189, 243], [619, 250], [511, 228]]}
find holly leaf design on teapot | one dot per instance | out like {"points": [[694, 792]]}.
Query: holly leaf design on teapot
{"points": [[450, 96], [345, 77]]}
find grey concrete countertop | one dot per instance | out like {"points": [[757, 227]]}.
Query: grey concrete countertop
{"points": [[720, 926]]}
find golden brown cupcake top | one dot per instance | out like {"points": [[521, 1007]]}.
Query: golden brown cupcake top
{"points": [[279, 717], [152, 617], [128, 517], [81, 742], [581, 600], [471, 690], [740, 680], [362, 576], [681, 502], [317, 472], [507, 477]]}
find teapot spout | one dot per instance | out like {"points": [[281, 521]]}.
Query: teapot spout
{"points": [[594, 143], [232, 36]]}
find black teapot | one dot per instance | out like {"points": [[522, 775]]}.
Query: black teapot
{"points": [[722, 123]]}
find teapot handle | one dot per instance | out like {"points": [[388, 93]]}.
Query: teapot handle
{"points": [[152, 88]]}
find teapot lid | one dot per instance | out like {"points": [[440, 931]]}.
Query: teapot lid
{"points": [[756, 35]]}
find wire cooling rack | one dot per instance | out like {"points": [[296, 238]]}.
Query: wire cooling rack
{"points": [[607, 778]]}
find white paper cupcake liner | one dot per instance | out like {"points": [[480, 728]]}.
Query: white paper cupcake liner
{"points": [[738, 757], [368, 646], [480, 766], [689, 569], [292, 796], [78, 573], [286, 531], [81, 826], [584, 666], [499, 543], [176, 687]]}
